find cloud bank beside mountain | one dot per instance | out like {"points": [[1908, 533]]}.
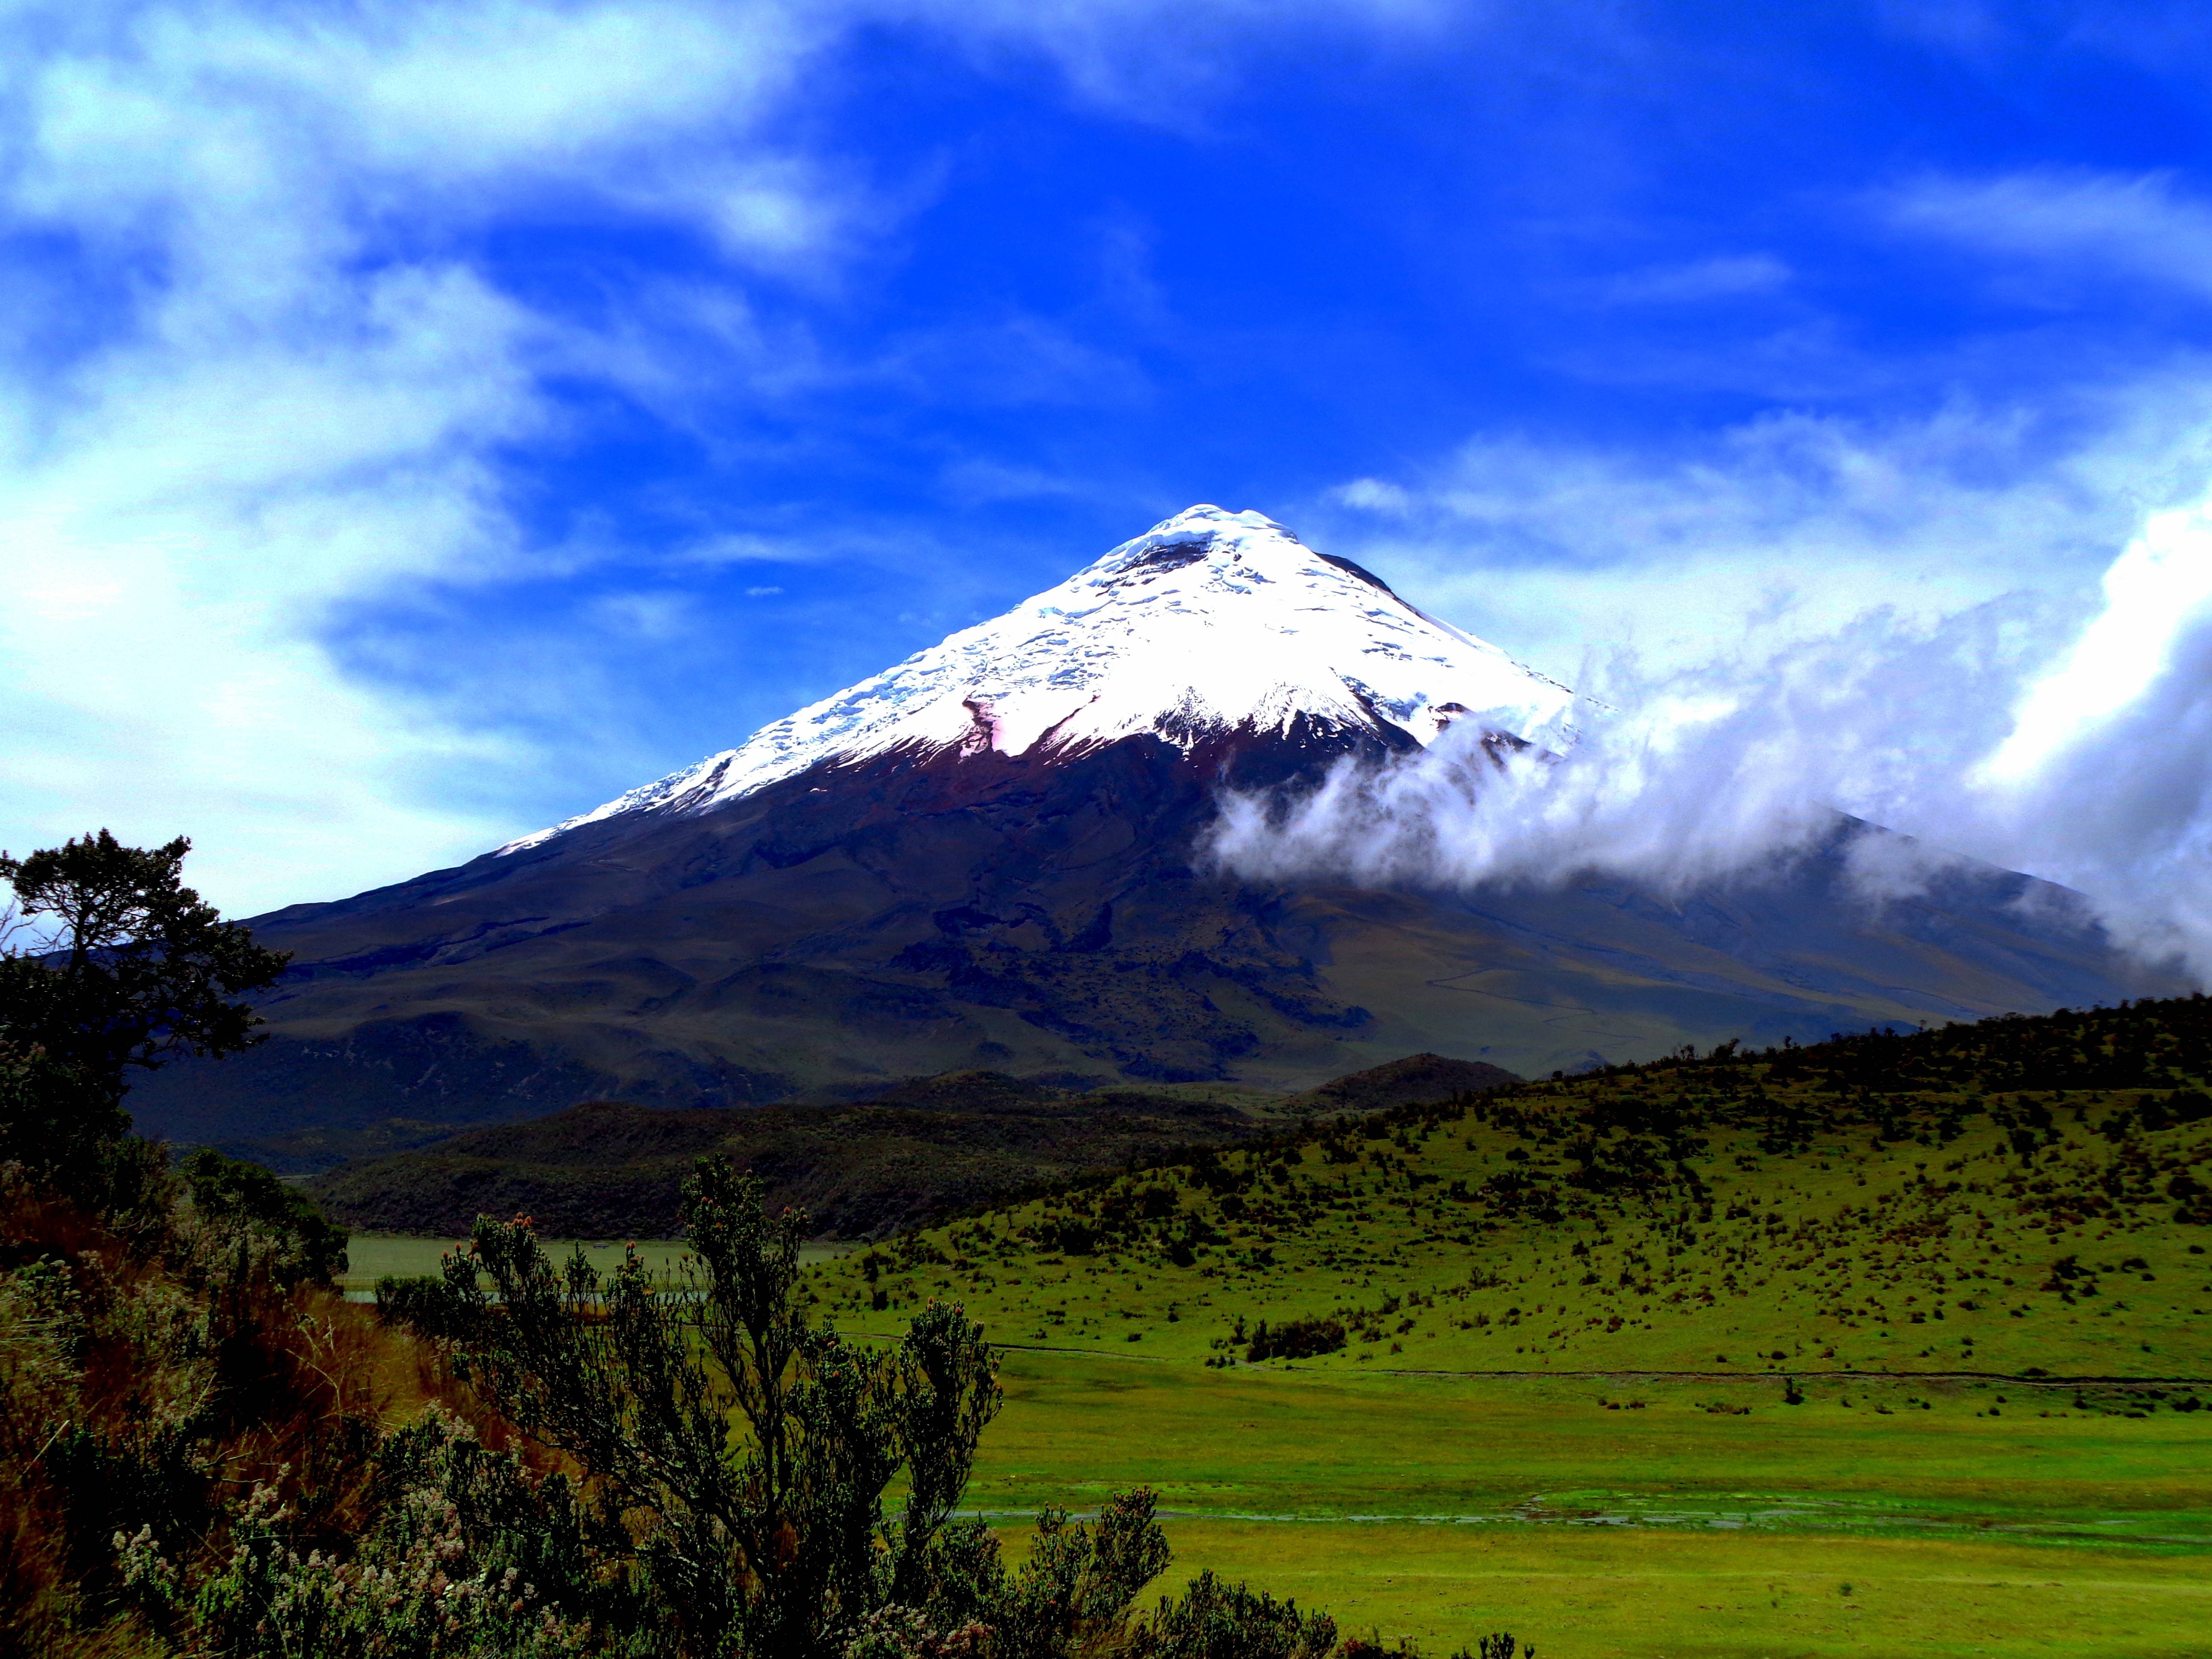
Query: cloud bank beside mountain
{"points": [[1995, 732]]}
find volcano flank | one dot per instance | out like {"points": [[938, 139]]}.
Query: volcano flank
{"points": [[992, 857]]}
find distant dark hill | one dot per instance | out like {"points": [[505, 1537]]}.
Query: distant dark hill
{"points": [[922, 1149], [1418, 1078], [610, 1170]]}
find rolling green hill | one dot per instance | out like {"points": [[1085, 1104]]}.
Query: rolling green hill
{"points": [[2024, 1197]]}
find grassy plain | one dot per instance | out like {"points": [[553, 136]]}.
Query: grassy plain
{"points": [[1643, 1594], [1653, 1363], [1443, 1508]]}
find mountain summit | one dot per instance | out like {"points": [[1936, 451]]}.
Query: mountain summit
{"points": [[1210, 625], [988, 858]]}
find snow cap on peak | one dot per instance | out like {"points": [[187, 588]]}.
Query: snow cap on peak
{"points": [[1210, 622], [1210, 532], [1204, 523]]}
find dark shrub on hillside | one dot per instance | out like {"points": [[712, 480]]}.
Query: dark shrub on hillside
{"points": [[1073, 1238], [1299, 1338]]}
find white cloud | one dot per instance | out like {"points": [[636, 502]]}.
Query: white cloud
{"points": [[299, 401], [2010, 661], [1714, 772], [1147, 58], [1787, 526], [2157, 597], [2140, 225], [275, 382], [174, 534]]}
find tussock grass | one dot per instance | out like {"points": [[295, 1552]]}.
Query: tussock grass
{"points": [[154, 1368]]}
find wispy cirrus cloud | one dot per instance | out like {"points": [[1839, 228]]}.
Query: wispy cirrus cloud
{"points": [[2148, 226], [1786, 525], [1723, 276]]}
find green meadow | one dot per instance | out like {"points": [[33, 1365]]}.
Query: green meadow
{"points": [[1642, 1516], [1701, 1360], [1840, 1351]]}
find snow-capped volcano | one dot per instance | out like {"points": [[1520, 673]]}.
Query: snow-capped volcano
{"points": [[991, 857], [1210, 623]]}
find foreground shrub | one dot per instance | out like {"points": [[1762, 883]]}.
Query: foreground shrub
{"points": [[155, 1367], [774, 1539], [469, 1555], [1216, 1620], [229, 1193]]}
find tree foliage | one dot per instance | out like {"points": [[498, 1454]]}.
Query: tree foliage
{"points": [[245, 1195], [131, 969], [774, 1540]]}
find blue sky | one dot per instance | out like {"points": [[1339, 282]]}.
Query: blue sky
{"points": [[421, 422]]}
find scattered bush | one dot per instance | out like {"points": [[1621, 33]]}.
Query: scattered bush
{"points": [[1297, 1339]]}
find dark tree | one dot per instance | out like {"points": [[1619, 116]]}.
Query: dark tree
{"points": [[134, 969], [774, 1540]]}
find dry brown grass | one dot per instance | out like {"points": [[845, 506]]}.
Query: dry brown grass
{"points": [[171, 1367]]}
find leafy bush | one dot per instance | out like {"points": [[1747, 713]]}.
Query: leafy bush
{"points": [[1297, 1339], [226, 1191], [149, 1377], [1216, 1620], [467, 1555]]}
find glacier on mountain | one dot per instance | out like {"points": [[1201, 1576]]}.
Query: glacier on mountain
{"points": [[1210, 622]]}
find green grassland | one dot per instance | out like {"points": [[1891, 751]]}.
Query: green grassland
{"points": [[1653, 1362], [1757, 1215], [1646, 1594], [1867, 1456], [1671, 1516]]}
